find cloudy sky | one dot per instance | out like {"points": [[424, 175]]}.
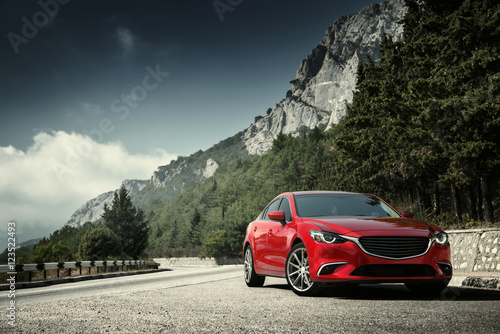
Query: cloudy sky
{"points": [[95, 92]]}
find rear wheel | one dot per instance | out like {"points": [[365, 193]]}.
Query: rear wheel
{"points": [[297, 272], [251, 278]]}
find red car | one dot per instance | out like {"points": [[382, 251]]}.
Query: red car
{"points": [[318, 237]]}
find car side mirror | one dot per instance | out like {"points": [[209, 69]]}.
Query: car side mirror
{"points": [[277, 215], [407, 214]]}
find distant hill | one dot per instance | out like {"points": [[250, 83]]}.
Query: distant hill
{"points": [[30, 242], [91, 211], [169, 181]]}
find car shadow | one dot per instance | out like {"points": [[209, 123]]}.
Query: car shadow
{"points": [[399, 292]]}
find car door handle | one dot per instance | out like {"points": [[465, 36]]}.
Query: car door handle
{"points": [[255, 228], [270, 232]]}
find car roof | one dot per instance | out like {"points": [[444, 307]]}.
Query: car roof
{"points": [[298, 193]]}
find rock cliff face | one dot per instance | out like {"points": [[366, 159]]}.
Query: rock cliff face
{"points": [[210, 168], [91, 211], [165, 176], [326, 79], [291, 115]]}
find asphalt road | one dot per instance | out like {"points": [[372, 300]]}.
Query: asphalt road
{"points": [[216, 300]]}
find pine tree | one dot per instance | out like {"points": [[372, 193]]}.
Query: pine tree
{"points": [[128, 223], [195, 232]]}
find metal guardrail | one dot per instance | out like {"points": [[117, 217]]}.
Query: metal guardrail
{"points": [[78, 265]]}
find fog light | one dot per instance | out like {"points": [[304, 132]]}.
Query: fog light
{"points": [[446, 268], [329, 268]]}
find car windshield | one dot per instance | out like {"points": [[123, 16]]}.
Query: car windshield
{"points": [[318, 205]]}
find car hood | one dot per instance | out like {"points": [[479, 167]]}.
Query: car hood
{"points": [[370, 226]]}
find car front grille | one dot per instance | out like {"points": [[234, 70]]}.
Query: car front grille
{"points": [[395, 247]]}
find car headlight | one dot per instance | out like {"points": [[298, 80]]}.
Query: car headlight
{"points": [[440, 238], [326, 237]]}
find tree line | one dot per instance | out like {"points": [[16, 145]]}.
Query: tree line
{"points": [[425, 121]]}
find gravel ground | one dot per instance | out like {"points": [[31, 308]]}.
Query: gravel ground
{"points": [[222, 303]]}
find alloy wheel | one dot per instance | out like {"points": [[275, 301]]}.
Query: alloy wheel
{"points": [[297, 271], [248, 266], [251, 277]]}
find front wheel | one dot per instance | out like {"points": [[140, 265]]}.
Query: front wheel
{"points": [[297, 272], [251, 277]]}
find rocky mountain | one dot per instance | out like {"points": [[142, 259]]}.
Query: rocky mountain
{"points": [[320, 92], [324, 83], [91, 211], [165, 174]]}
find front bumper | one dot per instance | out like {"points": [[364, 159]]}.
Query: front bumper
{"points": [[347, 262]]}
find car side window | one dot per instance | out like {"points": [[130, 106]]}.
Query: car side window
{"points": [[285, 206], [263, 216], [272, 207]]}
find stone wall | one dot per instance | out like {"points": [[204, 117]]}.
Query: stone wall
{"points": [[475, 250]]}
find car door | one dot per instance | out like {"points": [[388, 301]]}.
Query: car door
{"points": [[277, 236], [260, 240], [260, 231]]}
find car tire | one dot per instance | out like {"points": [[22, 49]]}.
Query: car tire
{"points": [[297, 272], [251, 277], [428, 288]]}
